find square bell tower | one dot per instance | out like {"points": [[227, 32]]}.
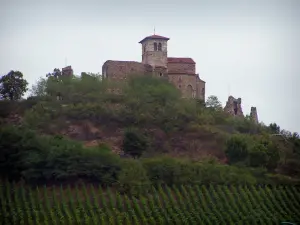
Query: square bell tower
{"points": [[155, 50]]}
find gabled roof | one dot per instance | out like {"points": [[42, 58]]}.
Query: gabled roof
{"points": [[181, 60], [154, 37]]}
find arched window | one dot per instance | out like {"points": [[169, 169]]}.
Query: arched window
{"points": [[159, 46], [155, 46]]}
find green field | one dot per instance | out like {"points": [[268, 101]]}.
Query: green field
{"points": [[91, 204]]}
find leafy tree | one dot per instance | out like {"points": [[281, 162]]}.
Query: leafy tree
{"points": [[39, 89], [274, 128], [13, 85], [56, 73], [258, 155], [56, 83], [213, 102], [134, 143], [133, 177], [236, 149], [93, 76], [273, 156], [286, 133], [296, 143]]}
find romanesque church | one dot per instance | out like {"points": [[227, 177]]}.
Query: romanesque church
{"points": [[155, 61]]}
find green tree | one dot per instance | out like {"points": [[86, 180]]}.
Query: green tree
{"points": [[273, 155], [236, 148], [274, 128], [134, 143], [39, 89], [213, 102], [133, 178], [13, 85], [56, 73], [93, 76], [258, 155]]}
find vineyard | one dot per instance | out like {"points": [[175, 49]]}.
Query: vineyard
{"points": [[90, 204]]}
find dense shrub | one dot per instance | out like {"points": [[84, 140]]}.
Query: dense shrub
{"points": [[7, 107], [258, 156], [291, 167], [162, 170], [41, 159], [134, 143], [35, 158], [133, 178], [236, 148], [149, 104], [172, 171]]}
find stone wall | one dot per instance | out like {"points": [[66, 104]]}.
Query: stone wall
{"points": [[253, 115], [200, 84], [67, 71], [182, 68], [185, 83], [154, 58], [119, 70], [234, 107], [161, 72], [148, 45]]}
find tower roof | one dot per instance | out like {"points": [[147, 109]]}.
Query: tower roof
{"points": [[154, 36]]}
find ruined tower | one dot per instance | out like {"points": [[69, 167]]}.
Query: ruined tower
{"points": [[253, 115], [155, 51], [234, 107]]}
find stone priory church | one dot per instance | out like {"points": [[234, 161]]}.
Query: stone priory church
{"points": [[179, 71]]}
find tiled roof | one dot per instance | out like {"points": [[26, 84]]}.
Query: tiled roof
{"points": [[154, 37], [181, 60]]}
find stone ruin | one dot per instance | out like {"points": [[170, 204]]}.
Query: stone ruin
{"points": [[253, 115], [233, 107], [67, 71]]}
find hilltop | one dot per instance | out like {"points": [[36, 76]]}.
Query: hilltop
{"points": [[79, 118]]}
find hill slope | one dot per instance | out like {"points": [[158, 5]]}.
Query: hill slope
{"points": [[92, 114]]}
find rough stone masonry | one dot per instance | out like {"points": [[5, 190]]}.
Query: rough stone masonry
{"points": [[155, 61]]}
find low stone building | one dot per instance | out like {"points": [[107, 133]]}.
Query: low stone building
{"points": [[155, 61]]}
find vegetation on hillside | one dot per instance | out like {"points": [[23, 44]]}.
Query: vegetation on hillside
{"points": [[185, 204], [171, 140]]}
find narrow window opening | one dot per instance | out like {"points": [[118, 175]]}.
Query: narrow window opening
{"points": [[155, 46], [159, 47], [160, 74]]}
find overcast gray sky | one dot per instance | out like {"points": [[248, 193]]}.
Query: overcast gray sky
{"points": [[246, 48]]}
